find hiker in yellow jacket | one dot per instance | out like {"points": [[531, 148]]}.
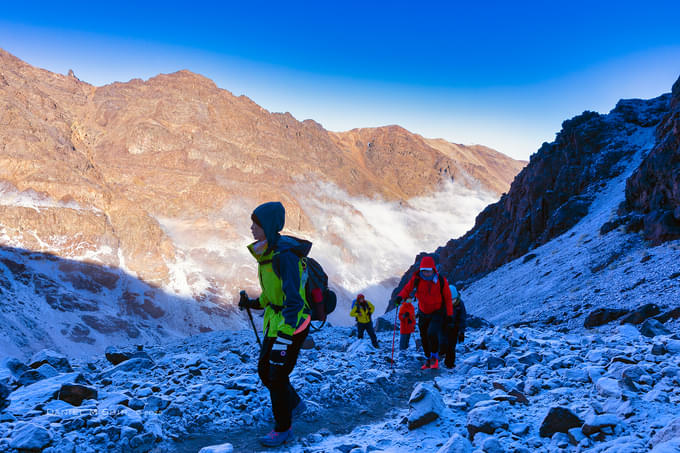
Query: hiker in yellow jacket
{"points": [[362, 311]]}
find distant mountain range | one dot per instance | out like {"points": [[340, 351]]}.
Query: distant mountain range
{"points": [[153, 183]]}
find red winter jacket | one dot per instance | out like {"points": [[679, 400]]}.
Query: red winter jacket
{"points": [[407, 318], [429, 293]]}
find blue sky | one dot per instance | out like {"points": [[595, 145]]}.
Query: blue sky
{"points": [[502, 74]]}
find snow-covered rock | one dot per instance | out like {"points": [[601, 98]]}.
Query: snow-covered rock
{"points": [[487, 419], [426, 406], [222, 448], [456, 444], [29, 436]]}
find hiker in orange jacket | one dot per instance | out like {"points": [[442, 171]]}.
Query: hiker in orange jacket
{"points": [[435, 309], [407, 323]]}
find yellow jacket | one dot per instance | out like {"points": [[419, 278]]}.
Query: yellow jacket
{"points": [[362, 313]]}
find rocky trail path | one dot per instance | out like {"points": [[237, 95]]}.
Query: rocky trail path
{"points": [[336, 417]]}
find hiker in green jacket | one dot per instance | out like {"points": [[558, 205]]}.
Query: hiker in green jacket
{"points": [[286, 313]]}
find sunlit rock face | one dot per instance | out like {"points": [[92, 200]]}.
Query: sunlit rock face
{"points": [[157, 179]]}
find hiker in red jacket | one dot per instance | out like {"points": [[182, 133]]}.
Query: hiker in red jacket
{"points": [[407, 323], [435, 309]]}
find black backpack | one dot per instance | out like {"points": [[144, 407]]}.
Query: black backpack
{"points": [[322, 300]]}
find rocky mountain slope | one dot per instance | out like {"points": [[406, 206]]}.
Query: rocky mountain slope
{"points": [[157, 179], [592, 222]]}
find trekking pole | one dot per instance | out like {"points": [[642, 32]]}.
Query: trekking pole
{"points": [[394, 332], [250, 315]]}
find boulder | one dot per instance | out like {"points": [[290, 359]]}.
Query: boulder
{"points": [[608, 387], [595, 423], [486, 419], [652, 328], [74, 394], [384, 324], [456, 444], [116, 356], [131, 365], [602, 316], [26, 398], [29, 436], [559, 420], [15, 366], [641, 314], [58, 361], [426, 405]]}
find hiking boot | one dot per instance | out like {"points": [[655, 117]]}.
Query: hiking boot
{"points": [[434, 364], [376, 345], [426, 366], [275, 438], [299, 409]]}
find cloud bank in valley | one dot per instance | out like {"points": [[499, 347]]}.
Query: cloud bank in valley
{"points": [[365, 244]]}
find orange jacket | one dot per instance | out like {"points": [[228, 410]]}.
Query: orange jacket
{"points": [[429, 293], [407, 318]]}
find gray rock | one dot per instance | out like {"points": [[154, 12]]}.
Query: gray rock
{"points": [[456, 444], [670, 431], [26, 398], [608, 387], [58, 361], [384, 324], [531, 358], [486, 419], [142, 442], [15, 366], [155, 403], [652, 328], [472, 400], [74, 394], [222, 448], [29, 377], [426, 406], [127, 417], [559, 420], [596, 423], [492, 445], [131, 365], [659, 349], [29, 436], [116, 356]]}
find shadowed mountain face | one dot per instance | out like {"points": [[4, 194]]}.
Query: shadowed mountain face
{"points": [[158, 178], [556, 189]]}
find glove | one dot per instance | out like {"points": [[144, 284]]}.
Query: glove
{"points": [[398, 300], [461, 337], [279, 352], [246, 302]]}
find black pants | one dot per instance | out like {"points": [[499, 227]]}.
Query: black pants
{"points": [[276, 378], [368, 327], [452, 341], [432, 334]]}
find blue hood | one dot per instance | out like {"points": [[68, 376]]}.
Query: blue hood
{"points": [[271, 216]]}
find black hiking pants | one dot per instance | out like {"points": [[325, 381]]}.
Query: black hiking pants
{"points": [[452, 342], [432, 335], [368, 327], [276, 378]]}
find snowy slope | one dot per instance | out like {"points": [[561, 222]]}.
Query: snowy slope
{"points": [[581, 270]]}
